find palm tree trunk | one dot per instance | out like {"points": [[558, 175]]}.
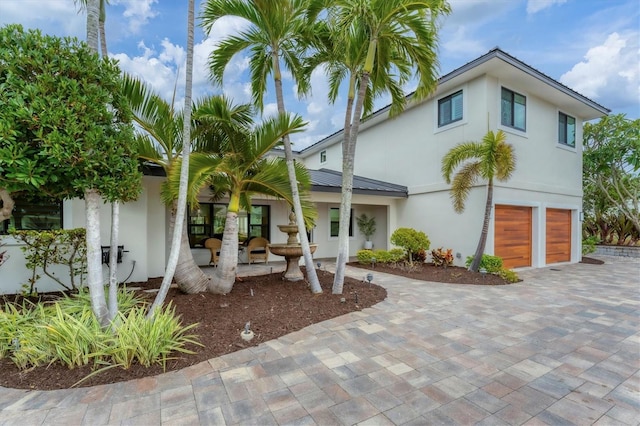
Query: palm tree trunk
{"points": [[477, 258], [184, 172], [225, 274], [113, 261], [347, 181], [94, 257], [7, 204], [93, 14], [312, 276], [188, 275], [347, 192]]}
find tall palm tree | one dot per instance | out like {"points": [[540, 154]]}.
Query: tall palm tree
{"points": [[161, 143], [379, 46], [240, 170], [174, 252], [276, 34], [489, 159], [102, 17], [92, 201]]}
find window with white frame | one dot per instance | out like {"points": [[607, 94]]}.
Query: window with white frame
{"points": [[450, 109], [323, 156], [334, 222], [513, 109], [566, 130]]}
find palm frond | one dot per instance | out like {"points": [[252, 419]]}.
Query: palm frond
{"points": [[463, 182]]}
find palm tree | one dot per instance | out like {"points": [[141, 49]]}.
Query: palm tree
{"points": [[379, 45], [276, 34], [161, 143], [102, 17], [92, 205], [174, 252], [492, 158], [240, 170]]}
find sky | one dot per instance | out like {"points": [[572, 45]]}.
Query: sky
{"points": [[592, 46]]}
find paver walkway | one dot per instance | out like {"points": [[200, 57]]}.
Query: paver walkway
{"points": [[563, 347]]}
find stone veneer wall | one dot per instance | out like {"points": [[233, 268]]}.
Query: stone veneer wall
{"points": [[624, 251]]}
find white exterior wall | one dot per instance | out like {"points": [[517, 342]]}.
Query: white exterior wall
{"points": [[408, 150], [142, 233]]}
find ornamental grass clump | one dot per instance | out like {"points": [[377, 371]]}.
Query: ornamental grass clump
{"points": [[66, 331]]}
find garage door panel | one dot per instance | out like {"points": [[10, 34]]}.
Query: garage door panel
{"points": [[512, 237], [558, 236]]}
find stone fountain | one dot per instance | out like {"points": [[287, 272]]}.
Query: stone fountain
{"points": [[291, 250]]}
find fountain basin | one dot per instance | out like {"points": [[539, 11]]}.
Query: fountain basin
{"points": [[292, 254]]}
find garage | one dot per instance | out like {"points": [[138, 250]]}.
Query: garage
{"points": [[558, 236], [512, 237]]}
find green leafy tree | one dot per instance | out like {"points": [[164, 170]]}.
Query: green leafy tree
{"points": [[411, 240], [493, 158], [65, 131], [378, 46], [277, 36], [240, 170], [611, 165]]}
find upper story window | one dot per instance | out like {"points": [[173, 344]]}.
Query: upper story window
{"points": [[513, 109], [334, 222], [323, 156], [34, 214], [566, 130], [450, 109]]}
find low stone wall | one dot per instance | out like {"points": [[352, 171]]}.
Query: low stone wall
{"points": [[623, 251]]}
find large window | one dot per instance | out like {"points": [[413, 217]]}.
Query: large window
{"points": [[566, 130], [450, 109], [513, 110], [34, 213], [334, 222], [209, 219]]}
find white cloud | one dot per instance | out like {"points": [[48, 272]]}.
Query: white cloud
{"points": [[137, 12], [462, 44], [609, 72], [59, 18], [270, 110], [534, 6]]}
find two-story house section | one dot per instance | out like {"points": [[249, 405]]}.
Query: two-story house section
{"points": [[536, 214]]}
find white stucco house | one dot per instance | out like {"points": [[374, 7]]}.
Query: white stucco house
{"points": [[536, 216]]}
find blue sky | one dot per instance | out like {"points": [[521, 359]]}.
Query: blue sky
{"points": [[591, 46]]}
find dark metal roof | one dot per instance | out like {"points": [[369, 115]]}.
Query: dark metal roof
{"points": [[325, 180]]}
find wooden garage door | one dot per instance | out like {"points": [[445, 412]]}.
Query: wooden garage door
{"points": [[512, 238], [558, 235]]}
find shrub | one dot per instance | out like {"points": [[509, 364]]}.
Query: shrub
{"points": [[68, 332], [420, 256], [366, 257], [442, 257], [589, 245], [492, 264], [508, 275], [410, 240]]}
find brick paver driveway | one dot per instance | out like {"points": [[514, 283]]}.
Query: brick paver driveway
{"points": [[562, 347]]}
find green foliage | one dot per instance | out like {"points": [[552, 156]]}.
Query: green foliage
{"points": [[442, 257], [149, 342], [419, 256], [410, 240], [508, 275], [65, 126], [611, 166], [366, 225], [380, 256], [67, 332], [492, 264], [611, 229], [589, 245], [55, 247]]}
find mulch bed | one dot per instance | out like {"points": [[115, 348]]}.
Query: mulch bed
{"points": [[276, 308], [591, 261], [429, 272]]}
